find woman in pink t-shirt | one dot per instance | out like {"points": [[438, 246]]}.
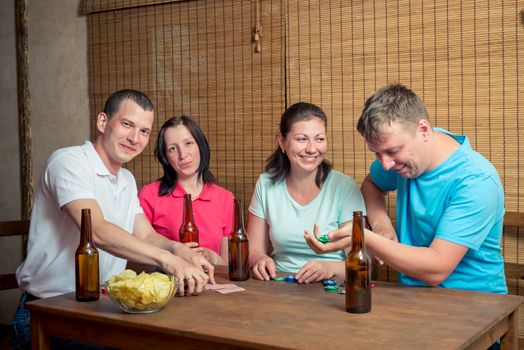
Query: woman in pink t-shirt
{"points": [[183, 151]]}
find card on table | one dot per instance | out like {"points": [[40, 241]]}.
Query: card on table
{"points": [[224, 288]]}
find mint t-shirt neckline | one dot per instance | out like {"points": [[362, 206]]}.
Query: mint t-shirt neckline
{"points": [[319, 195]]}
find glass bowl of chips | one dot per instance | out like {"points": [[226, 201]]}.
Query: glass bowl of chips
{"points": [[142, 293]]}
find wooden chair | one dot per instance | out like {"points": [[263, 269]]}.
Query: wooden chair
{"points": [[514, 232], [516, 220], [13, 228]]}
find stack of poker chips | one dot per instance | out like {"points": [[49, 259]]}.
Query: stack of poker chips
{"points": [[330, 285]]}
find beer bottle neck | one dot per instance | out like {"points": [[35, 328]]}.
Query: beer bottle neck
{"points": [[238, 218], [85, 228], [357, 239], [188, 209]]}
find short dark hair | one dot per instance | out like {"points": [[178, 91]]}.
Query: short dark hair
{"points": [[392, 103], [278, 163], [170, 177], [115, 100]]}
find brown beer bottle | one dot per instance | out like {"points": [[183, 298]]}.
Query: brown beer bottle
{"points": [[238, 246], [358, 270], [188, 230], [86, 262]]}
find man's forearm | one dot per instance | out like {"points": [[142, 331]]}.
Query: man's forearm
{"points": [[430, 264], [375, 200], [160, 241]]}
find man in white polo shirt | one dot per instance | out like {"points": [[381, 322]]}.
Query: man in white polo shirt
{"points": [[91, 176]]}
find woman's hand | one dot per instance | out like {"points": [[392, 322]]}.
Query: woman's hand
{"points": [[188, 274], [210, 255], [315, 271], [186, 252], [262, 266], [338, 240]]}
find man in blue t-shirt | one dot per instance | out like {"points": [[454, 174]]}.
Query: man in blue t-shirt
{"points": [[450, 201]]}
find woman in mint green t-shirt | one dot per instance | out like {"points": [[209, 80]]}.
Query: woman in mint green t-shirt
{"points": [[297, 191]]}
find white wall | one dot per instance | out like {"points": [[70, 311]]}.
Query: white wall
{"points": [[58, 69]]}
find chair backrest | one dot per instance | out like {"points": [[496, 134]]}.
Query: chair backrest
{"points": [[514, 221], [13, 228], [512, 240], [513, 225]]}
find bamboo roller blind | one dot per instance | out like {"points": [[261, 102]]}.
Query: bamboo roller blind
{"points": [[464, 58], [196, 58]]}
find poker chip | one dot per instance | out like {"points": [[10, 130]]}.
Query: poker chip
{"points": [[329, 282], [331, 288], [290, 279], [323, 239]]}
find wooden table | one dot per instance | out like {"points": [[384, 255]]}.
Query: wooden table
{"points": [[281, 315]]}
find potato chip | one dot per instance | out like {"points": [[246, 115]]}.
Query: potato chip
{"points": [[143, 292]]}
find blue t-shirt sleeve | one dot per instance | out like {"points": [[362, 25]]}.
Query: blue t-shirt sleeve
{"points": [[385, 180], [257, 206], [471, 213]]}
